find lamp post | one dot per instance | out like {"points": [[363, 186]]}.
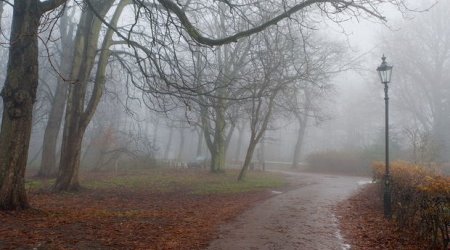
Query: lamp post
{"points": [[385, 72]]}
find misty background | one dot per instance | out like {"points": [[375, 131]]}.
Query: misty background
{"points": [[342, 122]]}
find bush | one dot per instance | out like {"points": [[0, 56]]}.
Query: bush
{"points": [[420, 199], [345, 162]]}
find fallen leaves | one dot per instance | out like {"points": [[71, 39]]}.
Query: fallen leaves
{"points": [[363, 224], [119, 218]]}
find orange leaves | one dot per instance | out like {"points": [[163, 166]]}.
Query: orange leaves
{"points": [[421, 198], [406, 175], [364, 227], [436, 185], [121, 219]]}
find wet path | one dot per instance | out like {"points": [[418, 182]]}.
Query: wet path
{"points": [[298, 219]]}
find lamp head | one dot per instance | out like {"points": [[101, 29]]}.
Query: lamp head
{"points": [[384, 71]]}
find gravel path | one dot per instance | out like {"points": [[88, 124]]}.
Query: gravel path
{"points": [[298, 219]]}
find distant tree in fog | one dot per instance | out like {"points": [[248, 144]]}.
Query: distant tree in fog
{"points": [[305, 101], [420, 51], [275, 66]]}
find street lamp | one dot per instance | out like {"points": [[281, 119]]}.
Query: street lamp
{"points": [[385, 72]]}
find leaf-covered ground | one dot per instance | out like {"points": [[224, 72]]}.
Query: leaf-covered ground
{"points": [[364, 227], [166, 210]]}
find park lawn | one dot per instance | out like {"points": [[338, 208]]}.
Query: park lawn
{"points": [[140, 209]]}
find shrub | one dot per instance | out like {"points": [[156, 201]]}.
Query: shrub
{"points": [[420, 199], [345, 162]]}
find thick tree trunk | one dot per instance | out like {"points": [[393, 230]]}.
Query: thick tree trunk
{"points": [[218, 159], [19, 95], [67, 179], [77, 116], [70, 160], [218, 152], [49, 145], [48, 162]]}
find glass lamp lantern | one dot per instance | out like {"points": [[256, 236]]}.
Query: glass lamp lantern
{"points": [[385, 71]]}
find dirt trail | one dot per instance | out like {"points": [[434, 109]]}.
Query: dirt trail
{"points": [[298, 219]]}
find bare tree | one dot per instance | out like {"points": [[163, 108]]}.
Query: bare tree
{"points": [[421, 52], [77, 115], [215, 110], [19, 90], [274, 69], [306, 99], [48, 162]]}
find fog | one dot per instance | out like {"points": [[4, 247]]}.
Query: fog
{"points": [[229, 124], [300, 90]]}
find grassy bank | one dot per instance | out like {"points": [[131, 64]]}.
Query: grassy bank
{"points": [[169, 180]]}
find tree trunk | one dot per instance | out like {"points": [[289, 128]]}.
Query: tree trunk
{"points": [[440, 133], [77, 117], [19, 95], [155, 132], [1, 12], [218, 159], [48, 162], [67, 179], [181, 148], [255, 134], [70, 160], [169, 143], [229, 135], [263, 155], [199, 142], [49, 145], [299, 144], [248, 159], [237, 154], [219, 148]]}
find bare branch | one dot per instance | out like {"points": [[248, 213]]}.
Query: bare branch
{"points": [[195, 34], [50, 5]]}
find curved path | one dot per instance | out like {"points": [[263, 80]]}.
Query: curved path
{"points": [[298, 219]]}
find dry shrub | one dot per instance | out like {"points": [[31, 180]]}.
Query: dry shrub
{"points": [[420, 200]]}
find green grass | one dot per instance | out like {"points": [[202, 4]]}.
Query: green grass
{"points": [[36, 184], [167, 180], [229, 184]]}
